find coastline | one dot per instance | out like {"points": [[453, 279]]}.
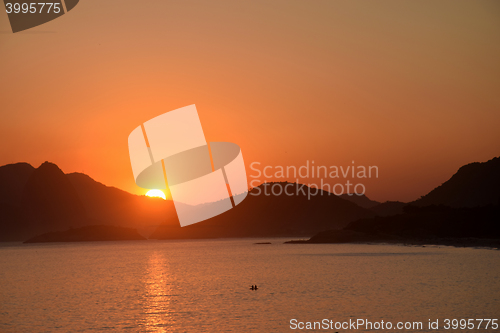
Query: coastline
{"points": [[477, 243]]}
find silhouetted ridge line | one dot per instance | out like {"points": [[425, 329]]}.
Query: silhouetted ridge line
{"points": [[271, 216], [475, 184], [463, 211], [35, 201], [360, 200]]}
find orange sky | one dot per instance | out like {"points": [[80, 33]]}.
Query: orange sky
{"points": [[412, 87]]}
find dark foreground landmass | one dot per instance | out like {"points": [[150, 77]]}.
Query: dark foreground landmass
{"points": [[89, 234], [440, 225], [345, 236]]}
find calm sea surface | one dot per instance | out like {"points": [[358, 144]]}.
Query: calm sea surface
{"points": [[203, 286]]}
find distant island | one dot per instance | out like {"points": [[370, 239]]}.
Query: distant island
{"points": [[92, 233]]}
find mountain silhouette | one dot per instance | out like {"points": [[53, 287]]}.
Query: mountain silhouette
{"points": [[360, 200], [389, 208], [121, 208], [49, 195], [272, 216], [13, 177], [464, 207], [43, 200], [474, 184], [435, 221], [35, 201]]}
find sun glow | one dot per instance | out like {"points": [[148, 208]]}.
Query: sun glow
{"points": [[157, 194]]}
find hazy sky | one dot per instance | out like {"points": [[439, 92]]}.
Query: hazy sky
{"points": [[412, 87]]}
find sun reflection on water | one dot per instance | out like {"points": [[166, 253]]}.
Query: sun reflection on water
{"points": [[157, 296]]}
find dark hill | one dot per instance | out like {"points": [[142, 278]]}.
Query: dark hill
{"points": [[88, 234], [476, 226], [49, 203], [389, 208], [270, 216], [435, 222], [13, 177], [475, 184], [52, 201], [13, 223], [116, 207], [35, 201], [360, 200], [463, 211], [49, 195]]}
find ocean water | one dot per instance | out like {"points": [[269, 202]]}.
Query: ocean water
{"points": [[203, 286]]}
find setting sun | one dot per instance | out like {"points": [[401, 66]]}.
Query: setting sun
{"points": [[156, 193]]}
